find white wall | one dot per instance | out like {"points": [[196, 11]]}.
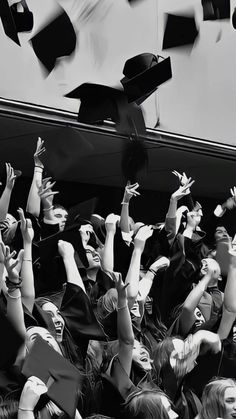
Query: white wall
{"points": [[198, 101]]}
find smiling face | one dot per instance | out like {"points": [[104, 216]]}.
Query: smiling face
{"points": [[199, 318], [33, 332], [141, 356], [230, 403], [57, 319]]}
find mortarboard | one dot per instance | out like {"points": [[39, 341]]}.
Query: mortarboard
{"points": [[234, 19], [11, 342], [48, 247], [57, 39], [8, 22], [179, 31], [83, 210], [216, 9], [143, 74], [99, 102], [45, 363], [24, 21]]}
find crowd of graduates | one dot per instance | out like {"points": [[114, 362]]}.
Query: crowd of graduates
{"points": [[111, 317]]}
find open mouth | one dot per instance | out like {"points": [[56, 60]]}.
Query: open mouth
{"points": [[59, 328]]}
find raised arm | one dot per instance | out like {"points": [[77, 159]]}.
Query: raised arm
{"points": [[132, 277], [13, 283], [33, 202], [66, 251], [108, 250], [130, 191], [229, 304], [124, 326], [32, 390], [46, 195], [27, 276], [6, 195], [182, 191], [146, 282]]}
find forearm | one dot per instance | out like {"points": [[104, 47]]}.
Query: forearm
{"points": [[145, 285], [72, 273], [195, 295], [124, 217], [230, 290], [25, 414], [34, 201], [108, 252], [132, 277], [27, 288], [171, 213], [4, 203], [15, 311]]}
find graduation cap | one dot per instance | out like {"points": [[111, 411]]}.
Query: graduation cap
{"points": [[11, 342], [82, 210], [234, 19], [99, 102], [216, 9], [179, 31], [24, 20], [48, 365], [57, 39], [48, 247], [8, 21], [143, 74]]}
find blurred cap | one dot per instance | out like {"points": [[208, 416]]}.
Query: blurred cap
{"points": [[24, 20], [8, 22], [57, 39], [143, 74], [216, 9], [45, 363], [99, 102], [179, 31], [82, 210], [11, 342], [234, 18], [98, 223], [48, 247]]}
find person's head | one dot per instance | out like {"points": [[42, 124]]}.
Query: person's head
{"points": [[194, 218], [61, 214], [170, 351], [57, 318], [34, 331], [148, 404], [199, 318], [107, 303], [211, 266], [141, 356], [93, 257], [220, 233], [219, 399], [8, 229]]}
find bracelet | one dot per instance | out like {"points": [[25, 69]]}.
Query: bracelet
{"points": [[13, 297], [25, 410], [13, 285], [121, 308], [124, 203], [38, 167], [27, 260], [48, 209], [152, 271]]}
